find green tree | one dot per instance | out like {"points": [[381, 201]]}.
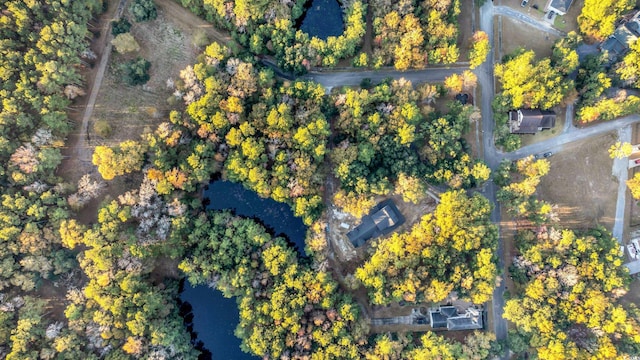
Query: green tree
{"points": [[143, 10]]}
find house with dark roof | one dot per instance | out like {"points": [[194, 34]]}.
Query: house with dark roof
{"points": [[531, 121], [619, 42], [559, 7], [448, 317], [383, 218]]}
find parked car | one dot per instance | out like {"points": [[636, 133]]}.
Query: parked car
{"points": [[550, 15], [524, 3], [637, 161], [545, 155]]}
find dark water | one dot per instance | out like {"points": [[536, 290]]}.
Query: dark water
{"points": [[212, 316], [276, 217], [214, 320], [322, 19]]}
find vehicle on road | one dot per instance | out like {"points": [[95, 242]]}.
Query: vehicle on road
{"points": [[544, 155], [637, 161], [524, 3]]}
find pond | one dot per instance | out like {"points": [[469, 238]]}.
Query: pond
{"points": [[322, 18], [213, 317]]}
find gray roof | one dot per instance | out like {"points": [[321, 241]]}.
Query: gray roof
{"points": [[530, 121], [463, 323], [383, 219], [448, 317], [562, 5]]}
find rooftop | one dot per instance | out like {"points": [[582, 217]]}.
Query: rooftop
{"points": [[384, 218]]}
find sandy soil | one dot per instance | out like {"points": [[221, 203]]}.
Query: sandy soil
{"points": [[581, 184]]}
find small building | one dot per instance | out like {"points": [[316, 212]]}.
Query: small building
{"points": [[448, 317], [619, 42], [383, 218], [559, 7], [531, 121]]}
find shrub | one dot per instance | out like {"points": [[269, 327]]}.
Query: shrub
{"points": [[103, 128], [143, 10], [120, 26], [136, 72]]}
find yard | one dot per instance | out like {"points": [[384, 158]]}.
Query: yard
{"points": [[580, 182]]}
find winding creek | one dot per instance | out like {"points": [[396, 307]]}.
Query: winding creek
{"points": [[211, 317]]}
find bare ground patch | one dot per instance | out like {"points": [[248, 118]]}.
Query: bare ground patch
{"points": [[516, 35], [580, 182]]}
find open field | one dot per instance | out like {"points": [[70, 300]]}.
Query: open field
{"points": [[581, 184], [516, 35]]}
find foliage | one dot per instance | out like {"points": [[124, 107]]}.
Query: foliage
{"points": [[120, 26], [125, 158], [412, 34], [599, 17], [610, 108], [451, 249], [620, 150], [634, 186], [103, 128], [268, 27], [271, 137], [566, 307], [517, 196], [135, 72], [592, 80], [41, 42], [629, 69], [143, 10], [285, 307], [120, 310], [530, 84], [125, 43], [479, 50]]}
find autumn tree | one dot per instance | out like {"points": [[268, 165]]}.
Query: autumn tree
{"points": [[634, 186], [127, 157], [125, 43], [531, 84], [480, 49], [620, 150], [598, 17], [451, 249]]}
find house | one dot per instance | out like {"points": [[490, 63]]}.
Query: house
{"points": [[448, 317], [530, 121], [618, 43], [384, 218], [559, 7]]}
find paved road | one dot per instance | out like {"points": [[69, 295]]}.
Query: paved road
{"points": [[338, 78], [621, 171], [555, 144], [486, 81]]}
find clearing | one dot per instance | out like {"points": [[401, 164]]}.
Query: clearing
{"points": [[581, 184], [516, 34]]}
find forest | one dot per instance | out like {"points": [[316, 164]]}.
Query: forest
{"points": [[567, 282], [73, 289]]}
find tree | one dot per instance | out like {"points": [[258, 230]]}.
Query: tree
{"points": [[143, 10], [125, 43], [530, 84], [125, 158], [634, 186], [480, 49], [620, 150], [136, 72], [598, 17], [120, 26]]}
